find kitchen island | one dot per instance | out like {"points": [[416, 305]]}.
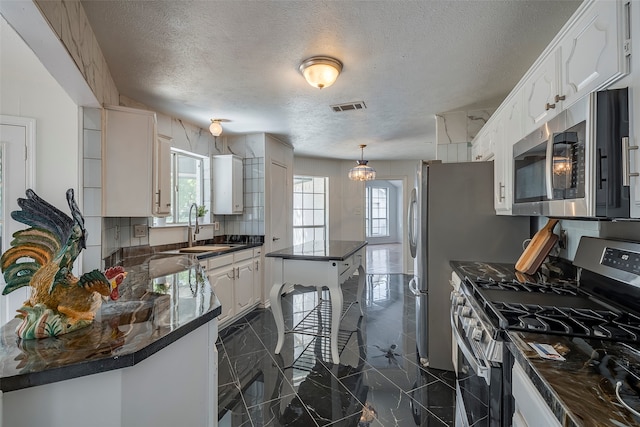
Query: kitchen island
{"points": [[318, 263], [149, 358]]}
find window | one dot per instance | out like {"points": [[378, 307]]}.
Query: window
{"points": [[187, 183], [377, 211], [309, 209]]}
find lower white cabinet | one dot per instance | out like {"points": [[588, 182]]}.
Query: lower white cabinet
{"points": [[258, 275], [220, 275], [243, 277], [233, 279], [530, 408]]}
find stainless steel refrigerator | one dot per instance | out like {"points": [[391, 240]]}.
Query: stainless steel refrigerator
{"points": [[452, 217]]}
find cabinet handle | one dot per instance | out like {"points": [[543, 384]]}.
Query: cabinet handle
{"points": [[560, 98], [275, 238], [548, 106], [501, 192], [626, 161], [257, 265]]}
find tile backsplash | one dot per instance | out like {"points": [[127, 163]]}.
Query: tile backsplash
{"points": [[251, 222]]}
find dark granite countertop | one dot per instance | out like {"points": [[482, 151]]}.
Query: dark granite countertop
{"points": [[162, 299], [581, 389], [320, 250]]}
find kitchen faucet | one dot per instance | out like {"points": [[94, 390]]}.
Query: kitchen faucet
{"points": [[192, 236]]}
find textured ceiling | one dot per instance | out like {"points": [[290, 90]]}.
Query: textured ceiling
{"points": [[407, 60]]}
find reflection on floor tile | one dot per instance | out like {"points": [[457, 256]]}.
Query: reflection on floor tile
{"points": [[377, 383]]}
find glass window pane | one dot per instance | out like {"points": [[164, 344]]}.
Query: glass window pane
{"points": [[318, 201], [307, 201], [297, 201], [309, 208], [308, 234], [307, 217], [318, 185], [318, 217]]}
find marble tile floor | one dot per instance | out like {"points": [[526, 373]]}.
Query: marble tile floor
{"points": [[384, 258], [377, 383]]}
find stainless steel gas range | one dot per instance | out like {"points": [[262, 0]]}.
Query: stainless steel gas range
{"points": [[597, 298]]}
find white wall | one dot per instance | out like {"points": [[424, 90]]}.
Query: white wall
{"points": [[28, 90]]}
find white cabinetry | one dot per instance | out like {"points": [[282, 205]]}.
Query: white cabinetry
{"points": [[257, 275], [134, 163], [540, 91], [593, 51], [482, 146], [232, 277], [227, 185], [220, 275], [243, 277], [587, 56], [530, 408], [162, 176]]}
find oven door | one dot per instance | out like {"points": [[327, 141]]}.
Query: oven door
{"points": [[479, 381]]}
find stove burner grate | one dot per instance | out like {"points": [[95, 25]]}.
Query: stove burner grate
{"points": [[605, 324], [559, 288]]}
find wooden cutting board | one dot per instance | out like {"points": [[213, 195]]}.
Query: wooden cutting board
{"points": [[538, 249]]}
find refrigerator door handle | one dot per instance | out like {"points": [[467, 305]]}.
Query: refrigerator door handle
{"points": [[413, 288], [412, 222]]}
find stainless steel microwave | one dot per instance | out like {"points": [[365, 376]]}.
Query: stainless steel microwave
{"points": [[572, 165]]}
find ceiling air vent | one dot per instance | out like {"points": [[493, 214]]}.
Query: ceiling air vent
{"points": [[359, 105]]}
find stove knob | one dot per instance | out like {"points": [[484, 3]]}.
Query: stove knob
{"points": [[466, 311], [477, 334], [459, 300]]}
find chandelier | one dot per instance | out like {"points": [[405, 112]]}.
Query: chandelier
{"points": [[362, 172]]}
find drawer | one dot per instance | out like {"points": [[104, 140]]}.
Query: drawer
{"points": [[242, 255], [220, 261]]}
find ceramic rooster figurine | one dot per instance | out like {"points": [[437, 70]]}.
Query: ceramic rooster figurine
{"points": [[42, 257]]}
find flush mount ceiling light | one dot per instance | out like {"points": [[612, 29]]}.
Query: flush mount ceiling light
{"points": [[362, 172], [215, 128], [320, 71]]}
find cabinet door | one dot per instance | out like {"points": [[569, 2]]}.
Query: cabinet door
{"points": [[127, 162], [257, 275], [501, 200], [243, 284], [540, 94], [221, 280], [237, 187], [592, 52], [162, 177], [480, 146]]}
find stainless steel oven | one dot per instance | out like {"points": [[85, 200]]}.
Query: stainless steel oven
{"points": [[477, 358]]}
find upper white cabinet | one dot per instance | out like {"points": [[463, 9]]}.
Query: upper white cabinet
{"points": [[162, 176], [227, 185], [588, 55], [482, 148], [540, 91], [134, 162], [593, 51]]}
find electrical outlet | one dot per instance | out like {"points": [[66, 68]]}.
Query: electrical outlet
{"points": [[139, 230], [216, 226]]}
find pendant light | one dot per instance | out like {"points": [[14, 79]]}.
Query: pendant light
{"points": [[362, 172]]}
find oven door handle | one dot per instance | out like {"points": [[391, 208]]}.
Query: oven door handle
{"points": [[481, 366]]}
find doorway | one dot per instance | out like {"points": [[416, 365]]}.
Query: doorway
{"points": [[17, 165], [384, 226]]}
